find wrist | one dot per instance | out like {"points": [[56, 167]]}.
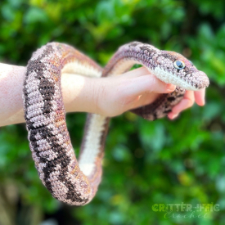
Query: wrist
{"points": [[80, 93]]}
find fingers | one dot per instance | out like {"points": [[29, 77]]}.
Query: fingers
{"points": [[147, 84], [142, 90], [200, 97], [185, 103], [128, 91], [139, 87], [137, 72], [188, 101]]}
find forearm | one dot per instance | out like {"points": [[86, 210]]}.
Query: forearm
{"points": [[11, 85], [109, 96], [76, 94]]}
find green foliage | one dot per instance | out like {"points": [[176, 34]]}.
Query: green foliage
{"points": [[146, 163]]}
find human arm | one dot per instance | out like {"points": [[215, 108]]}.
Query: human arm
{"points": [[106, 96]]}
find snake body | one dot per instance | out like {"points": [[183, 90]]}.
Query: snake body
{"points": [[76, 181]]}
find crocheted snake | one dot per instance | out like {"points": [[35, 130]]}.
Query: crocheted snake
{"points": [[68, 180]]}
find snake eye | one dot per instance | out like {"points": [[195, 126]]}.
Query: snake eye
{"points": [[179, 64]]}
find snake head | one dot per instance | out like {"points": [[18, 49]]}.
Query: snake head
{"points": [[172, 67]]}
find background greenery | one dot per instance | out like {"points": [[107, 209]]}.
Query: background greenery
{"points": [[146, 163]]}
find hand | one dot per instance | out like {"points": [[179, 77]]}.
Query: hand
{"points": [[109, 96], [189, 98], [137, 88]]}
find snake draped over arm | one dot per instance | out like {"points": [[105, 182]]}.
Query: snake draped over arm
{"points": [[73, 181]]}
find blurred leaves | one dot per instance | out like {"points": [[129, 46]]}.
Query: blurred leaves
{"points": [[146, 163]]}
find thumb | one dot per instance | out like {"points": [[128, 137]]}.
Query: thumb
{"points": [[143, 90], [148, 84]]}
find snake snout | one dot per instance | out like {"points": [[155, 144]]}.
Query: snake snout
{"points": [[200, 80]]}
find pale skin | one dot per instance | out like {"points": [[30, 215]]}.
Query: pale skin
{"points": [[109, 96]]}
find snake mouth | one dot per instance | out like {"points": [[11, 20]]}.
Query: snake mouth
{"points": [[198, 80], [192, 81]]}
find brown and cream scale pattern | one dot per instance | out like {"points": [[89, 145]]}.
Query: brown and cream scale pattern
{"points": [[47, 132], [69, 181], [161, 64]]}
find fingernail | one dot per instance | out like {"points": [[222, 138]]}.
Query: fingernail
{"points": [[170, 87], [174, 116]]}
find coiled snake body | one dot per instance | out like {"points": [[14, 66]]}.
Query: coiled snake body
{"points": [[68, 180]]}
